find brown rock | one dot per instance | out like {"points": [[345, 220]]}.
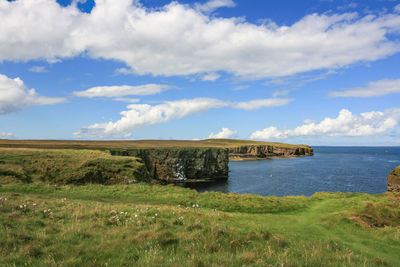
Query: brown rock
{"points": [[393, 180], [267, 151]]}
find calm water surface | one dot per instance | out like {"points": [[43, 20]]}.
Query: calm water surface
{"points": [[335, 169]]}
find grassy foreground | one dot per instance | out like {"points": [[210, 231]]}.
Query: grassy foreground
{"points": [[151, 225]]}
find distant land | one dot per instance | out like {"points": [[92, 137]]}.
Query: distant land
{"points": [[166, 160]]}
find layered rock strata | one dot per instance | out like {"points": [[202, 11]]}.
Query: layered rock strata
{"points": [[179, 160], [180, 164], [393, 180], [262, 152]]}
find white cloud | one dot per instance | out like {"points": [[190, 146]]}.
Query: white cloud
{"points": [[373, 89], [345, 124], [127, 99], [146, 39], [15, 96], [260, 103], [224, 133], [240, 87], [141, 115], [397, 8], [38, 69], [280, 93], [213, 5], [5, 135], [210, 77], [122, 90]]}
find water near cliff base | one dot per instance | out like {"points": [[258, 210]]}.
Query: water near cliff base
{"points": [[334, 169]]}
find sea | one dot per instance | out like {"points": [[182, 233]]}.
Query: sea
{"points": [[331, 169]]}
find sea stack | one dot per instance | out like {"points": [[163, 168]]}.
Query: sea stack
{"points": [[393, 180]]}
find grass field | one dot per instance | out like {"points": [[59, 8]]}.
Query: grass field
{"points": [[218, 143], [69, 207], [68, 166], [152, 225]]}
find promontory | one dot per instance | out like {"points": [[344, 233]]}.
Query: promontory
{"points": [[156, 160]]}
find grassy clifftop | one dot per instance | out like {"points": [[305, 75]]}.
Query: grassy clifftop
{"points": [[208, 143], [149, 225], [168, 160], [66, 166]]}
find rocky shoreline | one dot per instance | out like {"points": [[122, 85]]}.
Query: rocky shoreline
{"points": [[259, 152]]}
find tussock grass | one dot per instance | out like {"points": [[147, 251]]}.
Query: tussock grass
{"points": [[151, 225], [68, 166]]}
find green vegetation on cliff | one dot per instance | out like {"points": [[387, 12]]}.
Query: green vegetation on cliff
{"points": [[393, 180], [151, 225], [208, 143], [166, 160], [50, 217], [67, 166]]}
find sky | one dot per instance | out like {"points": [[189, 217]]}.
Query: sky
{"points": [[317, 72]]}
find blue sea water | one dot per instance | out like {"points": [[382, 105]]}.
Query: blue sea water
{"points": [[334, 169]]}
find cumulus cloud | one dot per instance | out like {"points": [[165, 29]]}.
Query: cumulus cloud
{"points": [[212, 5], [260, 103], [146, 39], [345, 124], [38, 69], [14, 96], [224, 133], [397, 8], [210, 77], [5, 135], [373, 89], [141, 115], [122, 90]]}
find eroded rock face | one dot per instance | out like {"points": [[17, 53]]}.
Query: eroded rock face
{"points": [[182, 164], [203, 164], [393, 180], [262, 152]]}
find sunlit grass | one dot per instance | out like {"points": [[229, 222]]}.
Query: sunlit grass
{"points": [[165, 144], [151, 225], [67, 166]]}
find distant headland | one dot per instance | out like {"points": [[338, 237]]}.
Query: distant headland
{"points": [[156, 160]]}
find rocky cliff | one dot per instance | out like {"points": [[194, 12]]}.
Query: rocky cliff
{"points": [[393, 180], [247, 152], [178, 160], [182, 164]]}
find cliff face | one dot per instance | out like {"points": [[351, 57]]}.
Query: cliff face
{"points": [[264, 151], [203, 164], [172, 160], [393, 180], [190, 164]]}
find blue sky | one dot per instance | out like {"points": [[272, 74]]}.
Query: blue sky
{"points": [[316, 72]]}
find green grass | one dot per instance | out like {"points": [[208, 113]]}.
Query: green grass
{"points": [[67, 166], [56, 211], [165, 144], [152, 225]]}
